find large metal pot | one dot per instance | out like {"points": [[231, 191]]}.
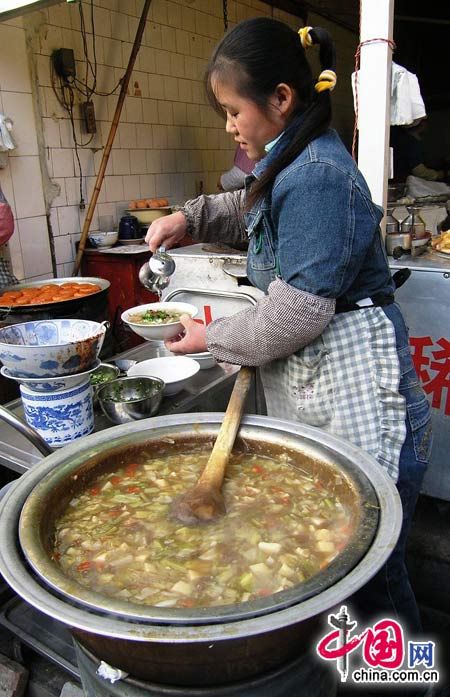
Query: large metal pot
{"points": [[157, 644]]}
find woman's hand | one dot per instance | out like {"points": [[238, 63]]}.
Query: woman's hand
{"points": [[192, 341], [167, 231]]}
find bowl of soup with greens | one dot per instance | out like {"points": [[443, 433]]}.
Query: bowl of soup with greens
{"points": [[158, 321]]}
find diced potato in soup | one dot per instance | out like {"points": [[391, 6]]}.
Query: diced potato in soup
{"points": [[282, 527]]}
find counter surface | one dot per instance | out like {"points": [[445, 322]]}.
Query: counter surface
{"points": [[208, 390], [428, 261]]}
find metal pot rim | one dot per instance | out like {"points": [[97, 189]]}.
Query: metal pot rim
{"points": [[30, 309], [17, 574], [32, 538]]}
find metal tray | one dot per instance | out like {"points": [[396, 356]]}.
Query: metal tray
{"points": [[46, 636], [212, 304]]}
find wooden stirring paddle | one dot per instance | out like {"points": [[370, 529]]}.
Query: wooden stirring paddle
{"points": [[204, 501]]}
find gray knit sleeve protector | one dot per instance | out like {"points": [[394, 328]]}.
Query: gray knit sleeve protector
{"points": [[233, 179], [217, 217], [279, 324]]}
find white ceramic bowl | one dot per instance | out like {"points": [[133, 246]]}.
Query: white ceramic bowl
{"points": [[158, 332], [48, 348], [204, 359], [175, 371], [104, 239], [64, 382], [60, 417]]}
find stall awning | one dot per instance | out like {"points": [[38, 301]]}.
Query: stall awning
{"points": [[14, 8]]}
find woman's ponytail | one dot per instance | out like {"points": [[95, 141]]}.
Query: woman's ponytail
{"points": [[327, 53]]}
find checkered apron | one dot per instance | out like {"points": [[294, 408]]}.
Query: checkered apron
{"points": [[345, 382]]}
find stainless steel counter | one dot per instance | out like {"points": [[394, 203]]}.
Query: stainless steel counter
{"points": [[208, 390], [425, 302], [428, 261]]}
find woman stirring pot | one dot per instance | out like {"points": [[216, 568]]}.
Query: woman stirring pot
{"points": [[330, 340]]}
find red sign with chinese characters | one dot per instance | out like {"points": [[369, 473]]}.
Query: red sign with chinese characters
{"points": [[432, 362]]}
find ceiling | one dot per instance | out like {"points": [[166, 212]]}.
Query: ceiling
{"points": [[16, 8], [346, 12], [421, 35]]}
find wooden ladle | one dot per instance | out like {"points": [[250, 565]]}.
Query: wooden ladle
{"points": [[204, 501]]}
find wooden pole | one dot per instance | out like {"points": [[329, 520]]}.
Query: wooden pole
{"points": [[111, 136]]}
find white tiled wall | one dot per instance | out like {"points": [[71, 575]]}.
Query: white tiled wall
{"points": [[21, 180], [169, 142]]}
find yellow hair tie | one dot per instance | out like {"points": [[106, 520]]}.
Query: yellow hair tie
{"points": [[305, 37], [326, 81]]}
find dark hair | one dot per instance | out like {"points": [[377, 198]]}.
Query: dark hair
{"points": [[256, 56]]}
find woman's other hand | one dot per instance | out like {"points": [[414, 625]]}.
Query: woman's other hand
{"points": [[192, 341], [167, 231]]}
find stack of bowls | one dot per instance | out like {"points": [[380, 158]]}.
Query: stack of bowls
{"points": [[52, 360]]}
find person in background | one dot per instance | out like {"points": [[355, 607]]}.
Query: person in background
{"points": [[234, 178], [330, 341], [6, 230], [409, 153]]}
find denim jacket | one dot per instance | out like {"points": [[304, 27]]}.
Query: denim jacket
{"points": [[318, 229]]}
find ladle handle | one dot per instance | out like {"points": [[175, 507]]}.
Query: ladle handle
{"points": [[30, 434], [214, 470]]}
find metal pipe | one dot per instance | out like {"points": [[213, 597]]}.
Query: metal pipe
{"points": [[30, 434]]}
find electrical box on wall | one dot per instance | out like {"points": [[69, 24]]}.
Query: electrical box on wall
{"points": [[88, 111], [64, 63]]}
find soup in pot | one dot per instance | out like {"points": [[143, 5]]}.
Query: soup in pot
{"points": [[283, 525]]}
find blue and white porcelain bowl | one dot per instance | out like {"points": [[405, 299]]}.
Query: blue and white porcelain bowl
{"points": [[103, 239], [50, 348], [63, 382], [60, 417]]}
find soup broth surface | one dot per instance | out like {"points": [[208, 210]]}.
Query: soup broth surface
{"points": [[151, 317], [282, 527]]}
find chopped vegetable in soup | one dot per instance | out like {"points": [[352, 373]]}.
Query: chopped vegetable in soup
{"points": [[155, 317], [282, 527], [100, 377]]}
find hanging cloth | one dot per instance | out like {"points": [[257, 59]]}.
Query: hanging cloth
{"points": [[6, 140], [407, 106]]}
